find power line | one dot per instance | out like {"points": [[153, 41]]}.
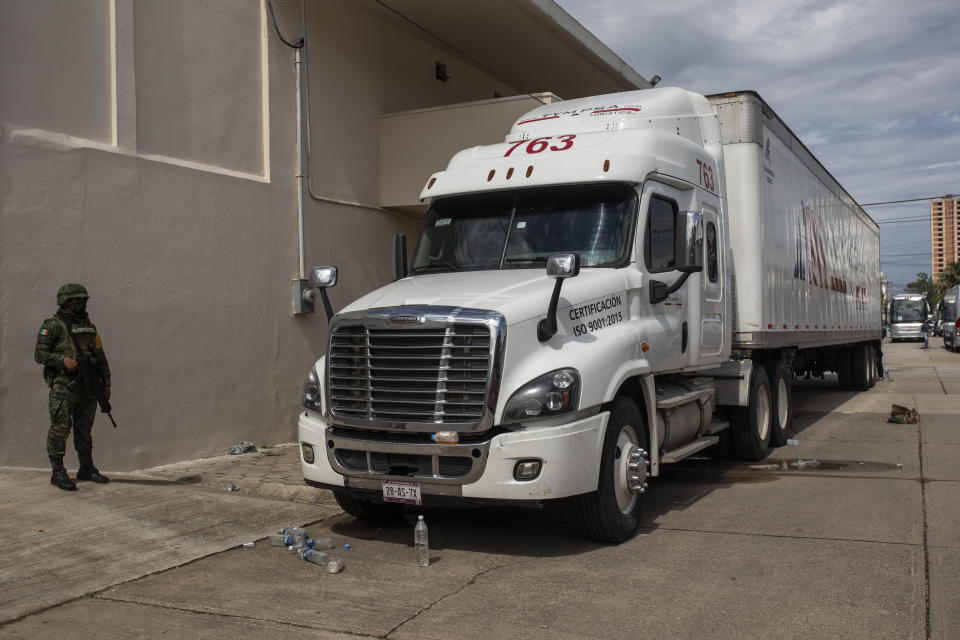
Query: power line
{"points": [[873, 204]]}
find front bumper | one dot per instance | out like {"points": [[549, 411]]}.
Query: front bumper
{"points": [[906, 332], [569, 455]]}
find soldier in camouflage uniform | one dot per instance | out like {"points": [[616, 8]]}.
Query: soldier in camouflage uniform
{"points": [[72, 404]]}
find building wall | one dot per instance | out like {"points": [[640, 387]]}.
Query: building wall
{"points": [[148, 151], [944, 233]]}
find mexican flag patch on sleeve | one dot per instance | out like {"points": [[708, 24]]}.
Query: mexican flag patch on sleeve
{"points": [[44, 332]]}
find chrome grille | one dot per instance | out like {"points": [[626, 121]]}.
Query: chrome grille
{"points": [[433, 375]]}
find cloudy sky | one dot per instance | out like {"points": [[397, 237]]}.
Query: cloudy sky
{"points": [[872, 87]]}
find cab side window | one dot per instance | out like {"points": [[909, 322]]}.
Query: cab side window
{"points": [[660, 237], [711, 252]]}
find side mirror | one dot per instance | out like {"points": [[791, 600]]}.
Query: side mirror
{"points": [[563, 265], [688, 251], [559, 267], [323, 278]]}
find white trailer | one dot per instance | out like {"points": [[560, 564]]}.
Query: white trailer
{"points": [[696, 256]]}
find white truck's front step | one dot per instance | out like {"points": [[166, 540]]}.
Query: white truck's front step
{"points": [[689, 449]]}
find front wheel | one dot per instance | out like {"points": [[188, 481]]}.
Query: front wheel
{"points": [[612, 512]]}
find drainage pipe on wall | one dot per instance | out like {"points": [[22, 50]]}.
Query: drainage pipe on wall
{"points": [[309, 167]]}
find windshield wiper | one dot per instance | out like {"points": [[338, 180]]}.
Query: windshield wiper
{"points": [[440, 265], [533, 260]]}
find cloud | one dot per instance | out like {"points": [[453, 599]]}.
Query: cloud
{"points": [[870, 86]]}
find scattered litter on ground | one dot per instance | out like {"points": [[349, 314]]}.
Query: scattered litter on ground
{"points": [[900, 464], [296, 539], [764, 467], [228, 486], [39, 530], [248, 545], [903, 415], [242, 447], [805, 464], [792, 442]]}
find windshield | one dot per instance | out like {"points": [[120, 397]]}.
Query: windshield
{"points": [[521, 229], [908, 310]]}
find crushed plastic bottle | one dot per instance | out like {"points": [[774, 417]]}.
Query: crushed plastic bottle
{"points": [[335, 564], [316, 557], [294, 531], [248, 545], [228, 486], [420, 543], [792, 442]]}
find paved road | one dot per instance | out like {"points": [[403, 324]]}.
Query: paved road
{"points": [[864, 543]]}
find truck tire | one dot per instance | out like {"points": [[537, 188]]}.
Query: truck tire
{"points": [[750, 426], [782, 396], [862, 369], [612, 512], [844, 368], [366, 509]]}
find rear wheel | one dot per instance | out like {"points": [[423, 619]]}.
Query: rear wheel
{"points": [[612, 512], [862, 355], [782, 417], [367, 509], [750, 426]]}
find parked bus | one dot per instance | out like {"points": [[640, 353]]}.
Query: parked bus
{"points": [[906, 316]]}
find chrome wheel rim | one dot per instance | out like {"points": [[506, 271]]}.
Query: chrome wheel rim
{"points": [[783, 400], [626, 498], [763, 414]]}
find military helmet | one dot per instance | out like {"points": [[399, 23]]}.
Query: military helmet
{"points": [[69, 291]]}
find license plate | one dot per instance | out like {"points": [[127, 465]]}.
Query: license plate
{"points": [[405, 492]]}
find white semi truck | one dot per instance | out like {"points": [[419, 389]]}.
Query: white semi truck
{"points": [[627, 280]]}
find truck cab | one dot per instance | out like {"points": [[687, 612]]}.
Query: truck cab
{"points": [[568, 321]]}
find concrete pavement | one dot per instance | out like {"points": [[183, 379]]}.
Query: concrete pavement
{"points": [[861, 544]]}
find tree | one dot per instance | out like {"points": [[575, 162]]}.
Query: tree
{"points": [[949, 277], [925, 286]]}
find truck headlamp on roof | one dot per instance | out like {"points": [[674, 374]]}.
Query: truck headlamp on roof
{"points": [[552, 394]]}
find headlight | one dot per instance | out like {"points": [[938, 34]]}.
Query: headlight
{"points": [[311, 391], [549, 395]]}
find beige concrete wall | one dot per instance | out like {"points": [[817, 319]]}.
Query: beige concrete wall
{"points": [[148, 150], [184, 231], [199, 88], [55, 65]]}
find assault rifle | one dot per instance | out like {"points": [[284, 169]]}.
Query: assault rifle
{"points": [[89, 376]]}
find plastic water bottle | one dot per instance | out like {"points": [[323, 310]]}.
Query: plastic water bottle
{"points": [[322, 542], [314, 556], [420, 544], [294, 531], [280, 540]]}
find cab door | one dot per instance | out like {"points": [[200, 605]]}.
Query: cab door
{"points": [[712, 317], [670, 327]]}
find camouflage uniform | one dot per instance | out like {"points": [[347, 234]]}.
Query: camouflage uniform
{"points": [[71, 402]]}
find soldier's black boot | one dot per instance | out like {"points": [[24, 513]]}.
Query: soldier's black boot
{"points": [[89, 472], [59, 478]]}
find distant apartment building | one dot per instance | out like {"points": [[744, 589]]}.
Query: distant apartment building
{"points": [[944, 233]]}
